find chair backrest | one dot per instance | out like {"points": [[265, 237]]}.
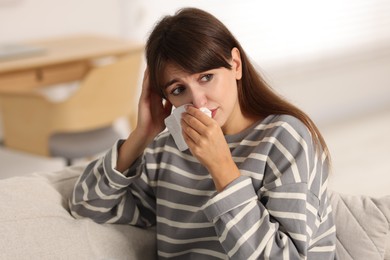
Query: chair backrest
{"points": [[107, 93]]}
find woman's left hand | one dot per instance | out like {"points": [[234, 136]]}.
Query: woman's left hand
{"points": [[207, 143]]}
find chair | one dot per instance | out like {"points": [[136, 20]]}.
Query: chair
{"points": [[82, 125]]}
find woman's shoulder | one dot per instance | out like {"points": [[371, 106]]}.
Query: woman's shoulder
{"points": [[283, 124], [280, 119]]}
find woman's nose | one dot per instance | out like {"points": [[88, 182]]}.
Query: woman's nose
{"points": [[199, 98]]}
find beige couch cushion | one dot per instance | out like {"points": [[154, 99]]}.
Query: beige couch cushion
{"points": [[35, 223], [362, 226]]}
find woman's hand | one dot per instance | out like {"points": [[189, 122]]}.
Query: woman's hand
{"points": [[151, 111], [207, 143], [151, 114]]}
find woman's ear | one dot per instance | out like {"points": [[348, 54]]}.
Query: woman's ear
{"points": [[236, 63]]}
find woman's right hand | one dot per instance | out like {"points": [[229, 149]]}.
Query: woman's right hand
{"points": [[151, 114]]}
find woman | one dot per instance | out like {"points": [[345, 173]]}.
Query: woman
{"points": [[252, 184]]}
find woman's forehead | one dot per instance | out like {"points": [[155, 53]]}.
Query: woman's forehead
{"points": [[173, 73], [173, 69]]}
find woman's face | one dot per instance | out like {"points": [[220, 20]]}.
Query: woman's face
{"points": [[214, 89]]}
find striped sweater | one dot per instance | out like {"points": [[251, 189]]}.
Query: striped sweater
{"points": [[277, 209]]}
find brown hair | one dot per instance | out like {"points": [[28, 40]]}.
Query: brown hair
{"points": [[196, 41]]}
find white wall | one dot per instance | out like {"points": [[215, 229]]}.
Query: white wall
{"points": [[280, 29], [29, 19]]}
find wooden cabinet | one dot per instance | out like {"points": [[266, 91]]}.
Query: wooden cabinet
{"points": [[64, 59]]}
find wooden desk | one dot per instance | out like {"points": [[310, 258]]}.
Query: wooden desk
{"points": [[65, 59]]}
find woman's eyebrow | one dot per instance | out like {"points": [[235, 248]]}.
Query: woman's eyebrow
{"points": [[173, 81]]}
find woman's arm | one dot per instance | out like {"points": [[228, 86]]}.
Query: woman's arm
{"points": [[107, 196], [207, 143], [110, 189], [287, 215]]}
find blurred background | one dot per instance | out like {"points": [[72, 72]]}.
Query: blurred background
{"points": [[331, 58]]}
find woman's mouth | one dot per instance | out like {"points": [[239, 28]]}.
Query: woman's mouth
{"points": [[213, 112]]}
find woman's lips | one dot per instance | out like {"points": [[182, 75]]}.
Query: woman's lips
{"points": [[213, 112]]}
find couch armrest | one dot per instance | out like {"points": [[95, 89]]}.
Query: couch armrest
{"points": [[35, 222]]}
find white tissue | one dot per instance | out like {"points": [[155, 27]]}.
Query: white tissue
{"points": [[206, 111], [173, 124]]}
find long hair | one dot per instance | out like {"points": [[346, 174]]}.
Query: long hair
{"points": [[196, 41]]}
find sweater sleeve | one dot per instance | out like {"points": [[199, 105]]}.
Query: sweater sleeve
{"points": [[285, 218], [108, 196]]}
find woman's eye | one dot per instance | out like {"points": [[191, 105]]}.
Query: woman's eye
{"points": [[207, 77], [177, 91]]}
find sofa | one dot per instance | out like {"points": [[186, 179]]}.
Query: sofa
{"points": [[35, 223]]}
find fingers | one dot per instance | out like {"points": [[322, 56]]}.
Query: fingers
{"points": [[145, 81], [197, 126], [151, 108], [148, 92], [199, 115], [192, 123], [190, 135]]}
